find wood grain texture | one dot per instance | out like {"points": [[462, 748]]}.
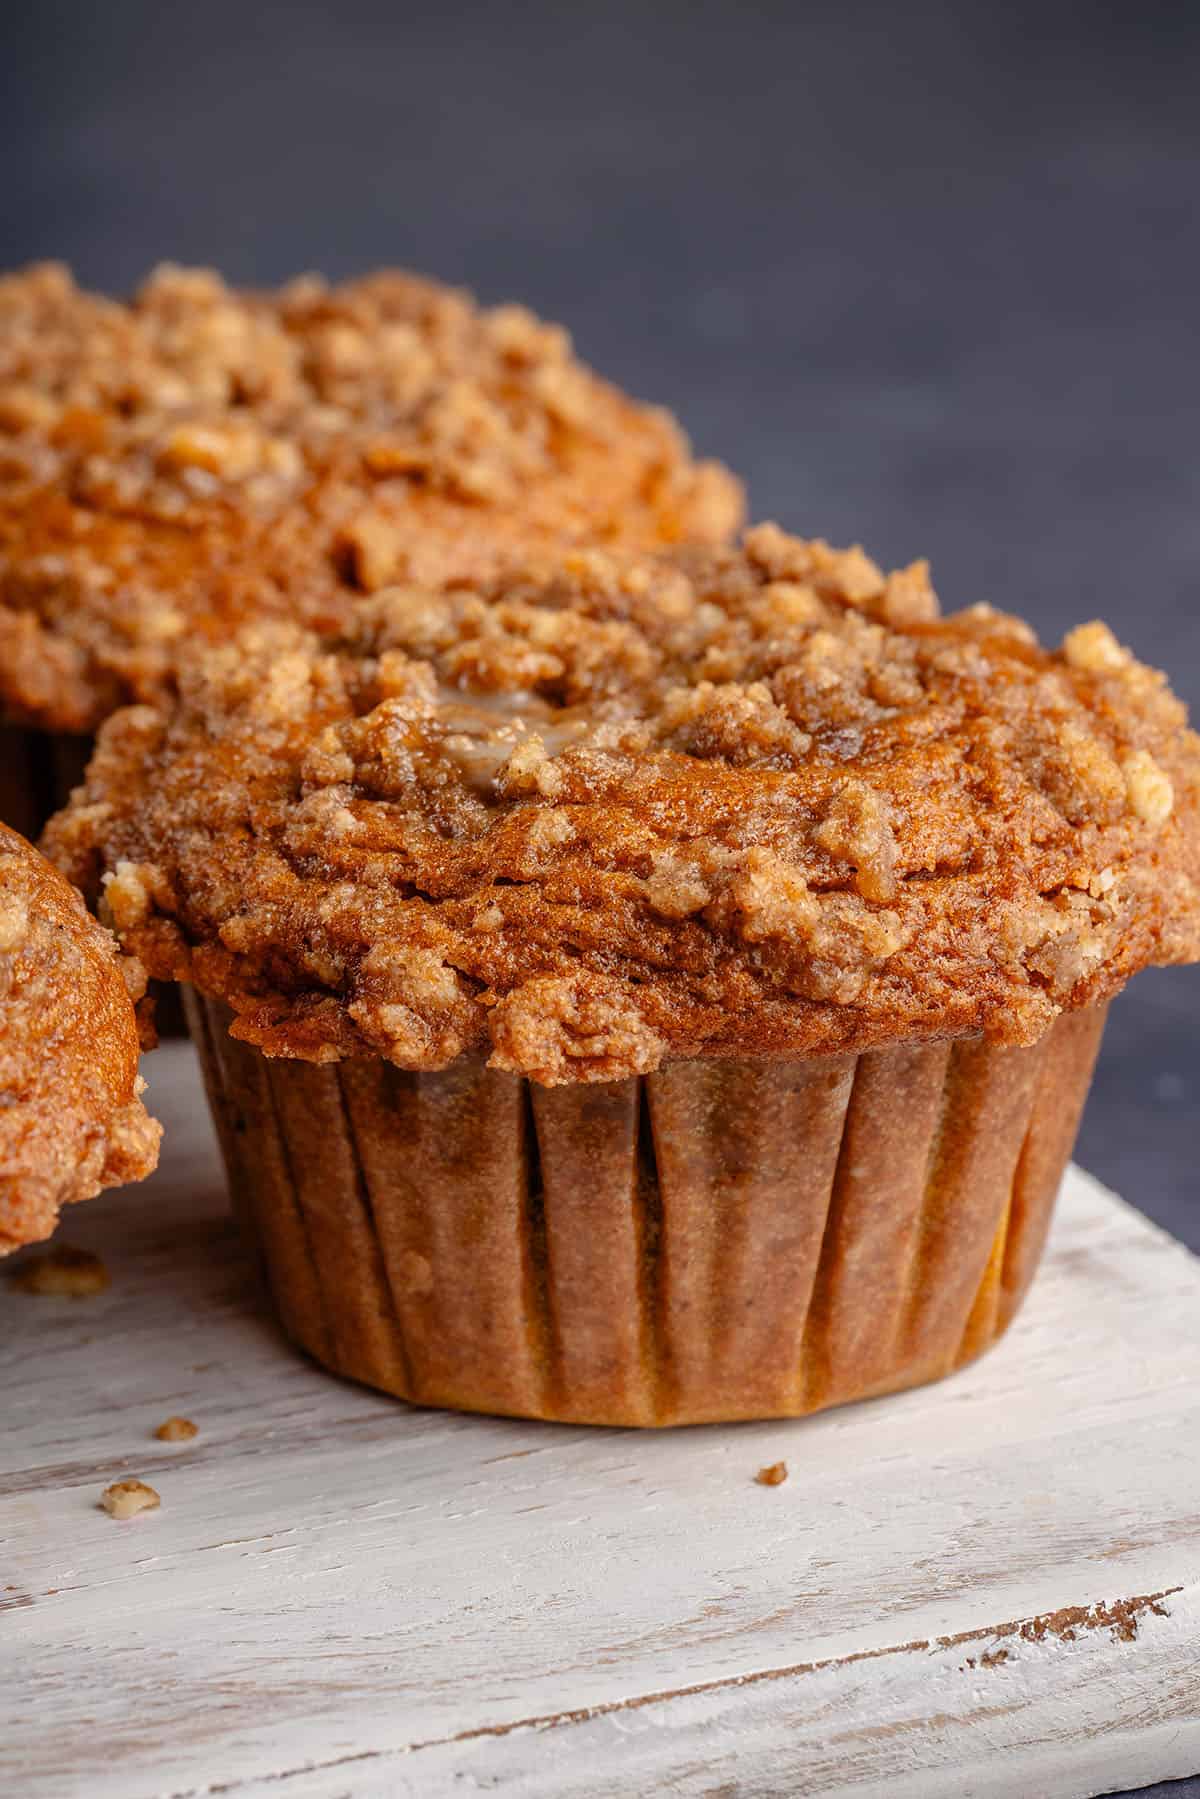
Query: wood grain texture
{"points": [[987, 1587]]}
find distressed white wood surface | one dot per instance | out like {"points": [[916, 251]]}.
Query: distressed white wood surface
{"points": [[341, 1596]]}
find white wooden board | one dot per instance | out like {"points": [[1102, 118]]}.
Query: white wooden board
{"points": [[990, 1587]]}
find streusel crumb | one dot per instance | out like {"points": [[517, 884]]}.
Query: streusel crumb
{"points": [[126, 1498], [71, 1114], [176, 1430], [199, 457], [622, 808], [772, 1476]]}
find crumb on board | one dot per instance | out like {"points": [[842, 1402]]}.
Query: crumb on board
{"points": [[773, 1475], [126, 1498], [175, 1430], [63, 1273]]}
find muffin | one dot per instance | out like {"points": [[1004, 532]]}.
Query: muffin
{"points": [[71, 1117], [656, 988], [201, 457]]}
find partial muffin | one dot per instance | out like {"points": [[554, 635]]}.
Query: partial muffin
{"points": [[71, 1116], [200, 456], [661, 987]]}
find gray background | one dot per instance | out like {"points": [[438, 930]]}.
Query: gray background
{"points": [[926, 274]]}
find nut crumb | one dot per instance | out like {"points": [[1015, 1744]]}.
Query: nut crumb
{"points": [[63, 1273], [1150, 791], [773, 1475], [176, 1430], [1093, 649], [126, 1498]]}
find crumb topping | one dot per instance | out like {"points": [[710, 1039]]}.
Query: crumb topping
{"points": [[198, 457], [640, 806], [773, 1475], [176, 1430], [126, 1498], [71, 1115]]}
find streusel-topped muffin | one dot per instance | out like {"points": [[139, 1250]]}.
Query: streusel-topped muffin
{"points": [[71, 1116], [733, 802], [201, 456], [702, 956]]}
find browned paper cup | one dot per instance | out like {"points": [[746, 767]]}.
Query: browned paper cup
{"points": [[717, 1241], [37, 772]]}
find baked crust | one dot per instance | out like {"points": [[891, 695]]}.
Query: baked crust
{"points": [[71, 1117], [200, 457], [634, 807]]}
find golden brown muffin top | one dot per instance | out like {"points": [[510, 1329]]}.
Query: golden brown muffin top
{"points": [[71, 1119], [708, 802], [200, 457]]}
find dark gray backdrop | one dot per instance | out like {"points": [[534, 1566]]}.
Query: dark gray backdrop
{"points": [[928, 275]]}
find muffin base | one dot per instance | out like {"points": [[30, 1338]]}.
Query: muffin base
{"points": [[717, 1241]]}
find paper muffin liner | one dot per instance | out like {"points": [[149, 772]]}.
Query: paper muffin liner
{"points": [[37, 772], [720, 1240]]}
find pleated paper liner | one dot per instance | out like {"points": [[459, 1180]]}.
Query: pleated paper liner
{"points": [[721, 1240], [37, 772]]}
